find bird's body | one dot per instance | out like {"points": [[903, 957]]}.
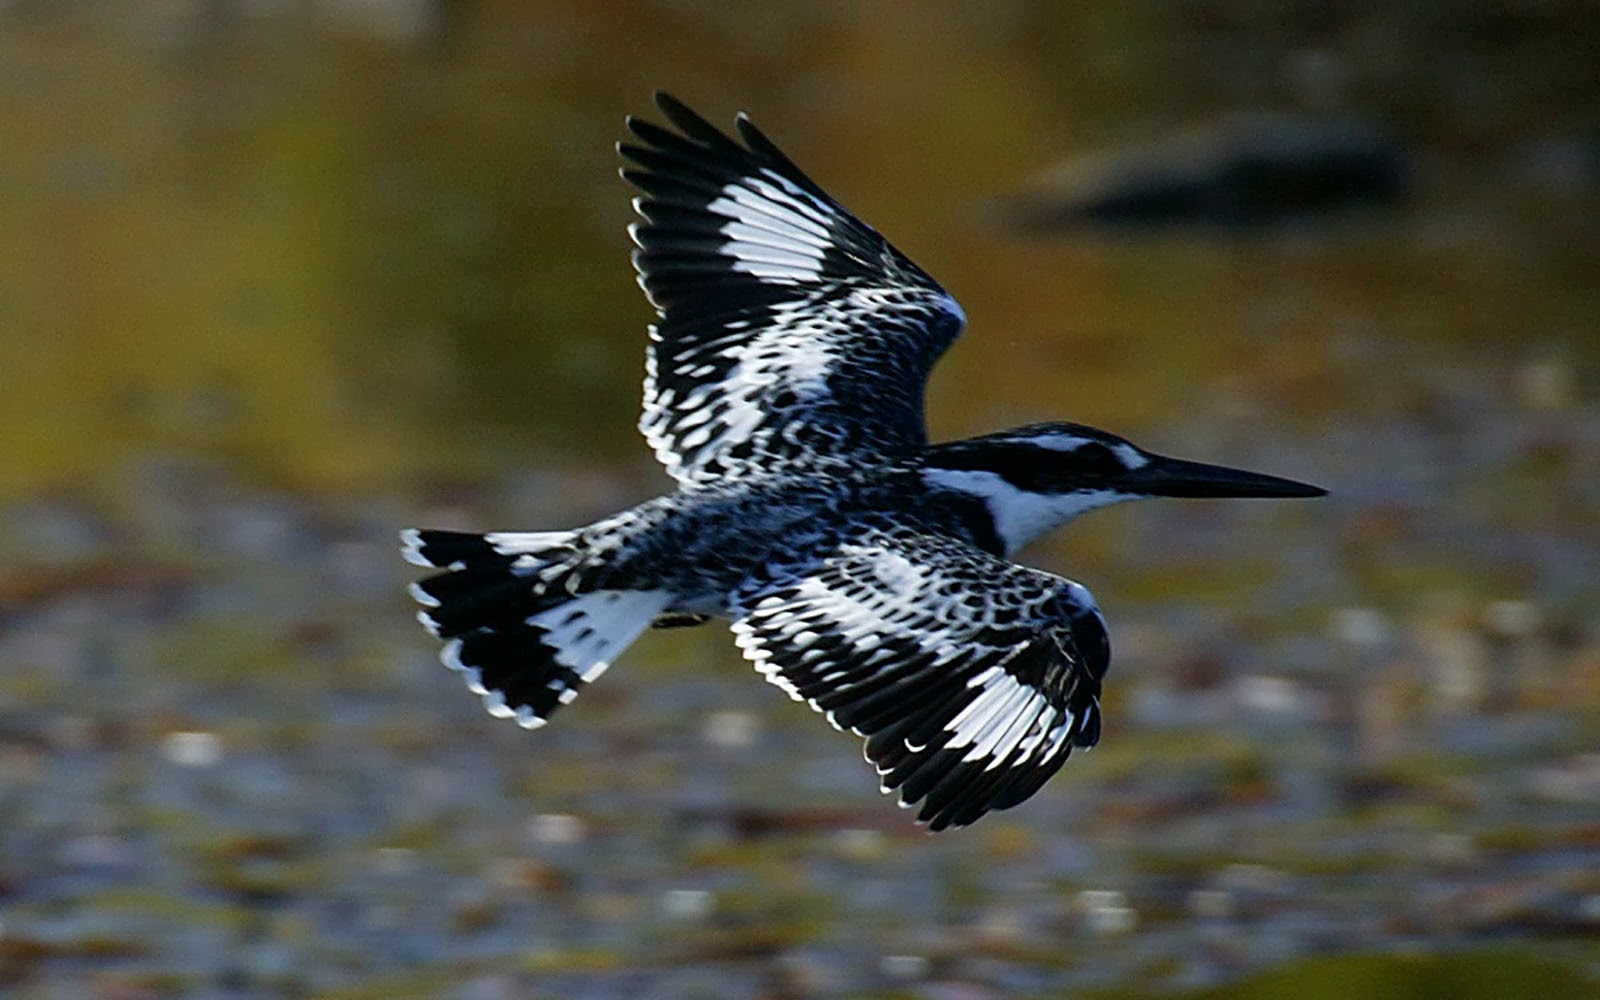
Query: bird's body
{"points": [[864, 570]]}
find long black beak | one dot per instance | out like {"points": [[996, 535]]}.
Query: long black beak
{"points": [[1176, 477]]}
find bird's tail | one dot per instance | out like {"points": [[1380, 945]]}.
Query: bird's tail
{"points": [[516, 618]]}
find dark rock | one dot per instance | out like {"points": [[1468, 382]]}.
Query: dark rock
{"points": [[1246, 171]]}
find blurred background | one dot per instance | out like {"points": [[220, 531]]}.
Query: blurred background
{"points": [[279, 277]]}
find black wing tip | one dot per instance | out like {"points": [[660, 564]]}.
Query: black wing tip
{"points": [[668, 105], [688, 119], [948, 790], [672, 107], [699, 143], [690, 124], [972, 790], [698, 129]]}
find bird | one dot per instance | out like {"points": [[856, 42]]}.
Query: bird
{"points": [[862, 569]]}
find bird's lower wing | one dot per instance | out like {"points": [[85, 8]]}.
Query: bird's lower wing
{"points": [[971, 678]]}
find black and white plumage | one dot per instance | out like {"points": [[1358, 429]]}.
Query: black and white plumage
{"points": [[865, 571], [792, 336], [971, 677]]}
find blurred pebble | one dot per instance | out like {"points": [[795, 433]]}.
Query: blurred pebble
{"points": [[494, 986], [1385, 699], [473, 909], [361, 568], [1212, 904], [97, 850], [556, 828], [904, 968], [860, 845], [1004, 842], [1003, 925], [806, 973], [1106, 911], [72, 732], [59, 529], [1454, 850], [394, 860], [1457, 664], [21, 766], [192, 749], [957, 989], [611, 907], [385, 916], [687, 904], [1512, 618], [270, 963], [1543, 385], [732, 730], [1253, 878], [526, 874], [1157, 705], [262, 529], [1363, 627], [1271, 695], [1576, 780]]}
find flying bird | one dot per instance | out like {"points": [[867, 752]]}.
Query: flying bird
{"points": [[864, 570]]}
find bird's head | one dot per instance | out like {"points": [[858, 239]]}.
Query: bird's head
{"points": [[1037, 477]]}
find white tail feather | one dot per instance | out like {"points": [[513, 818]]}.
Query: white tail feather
{"points": [[588, 631]]}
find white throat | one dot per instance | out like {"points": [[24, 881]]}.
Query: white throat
{"points": [[1019, 516]]}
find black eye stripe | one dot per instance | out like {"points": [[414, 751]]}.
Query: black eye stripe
{"points": [[1030, 467], [1096, 458]]}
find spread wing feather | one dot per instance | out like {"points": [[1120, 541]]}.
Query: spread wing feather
{"points": [[791, 334], [971, 678]]}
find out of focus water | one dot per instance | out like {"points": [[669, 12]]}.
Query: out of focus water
{"points": [[277, 279]]}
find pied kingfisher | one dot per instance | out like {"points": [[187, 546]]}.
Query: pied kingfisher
{"points": [[865, 571]]}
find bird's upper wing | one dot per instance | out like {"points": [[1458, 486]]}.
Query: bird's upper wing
{"points": [[791, 333], [972, 678]]}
